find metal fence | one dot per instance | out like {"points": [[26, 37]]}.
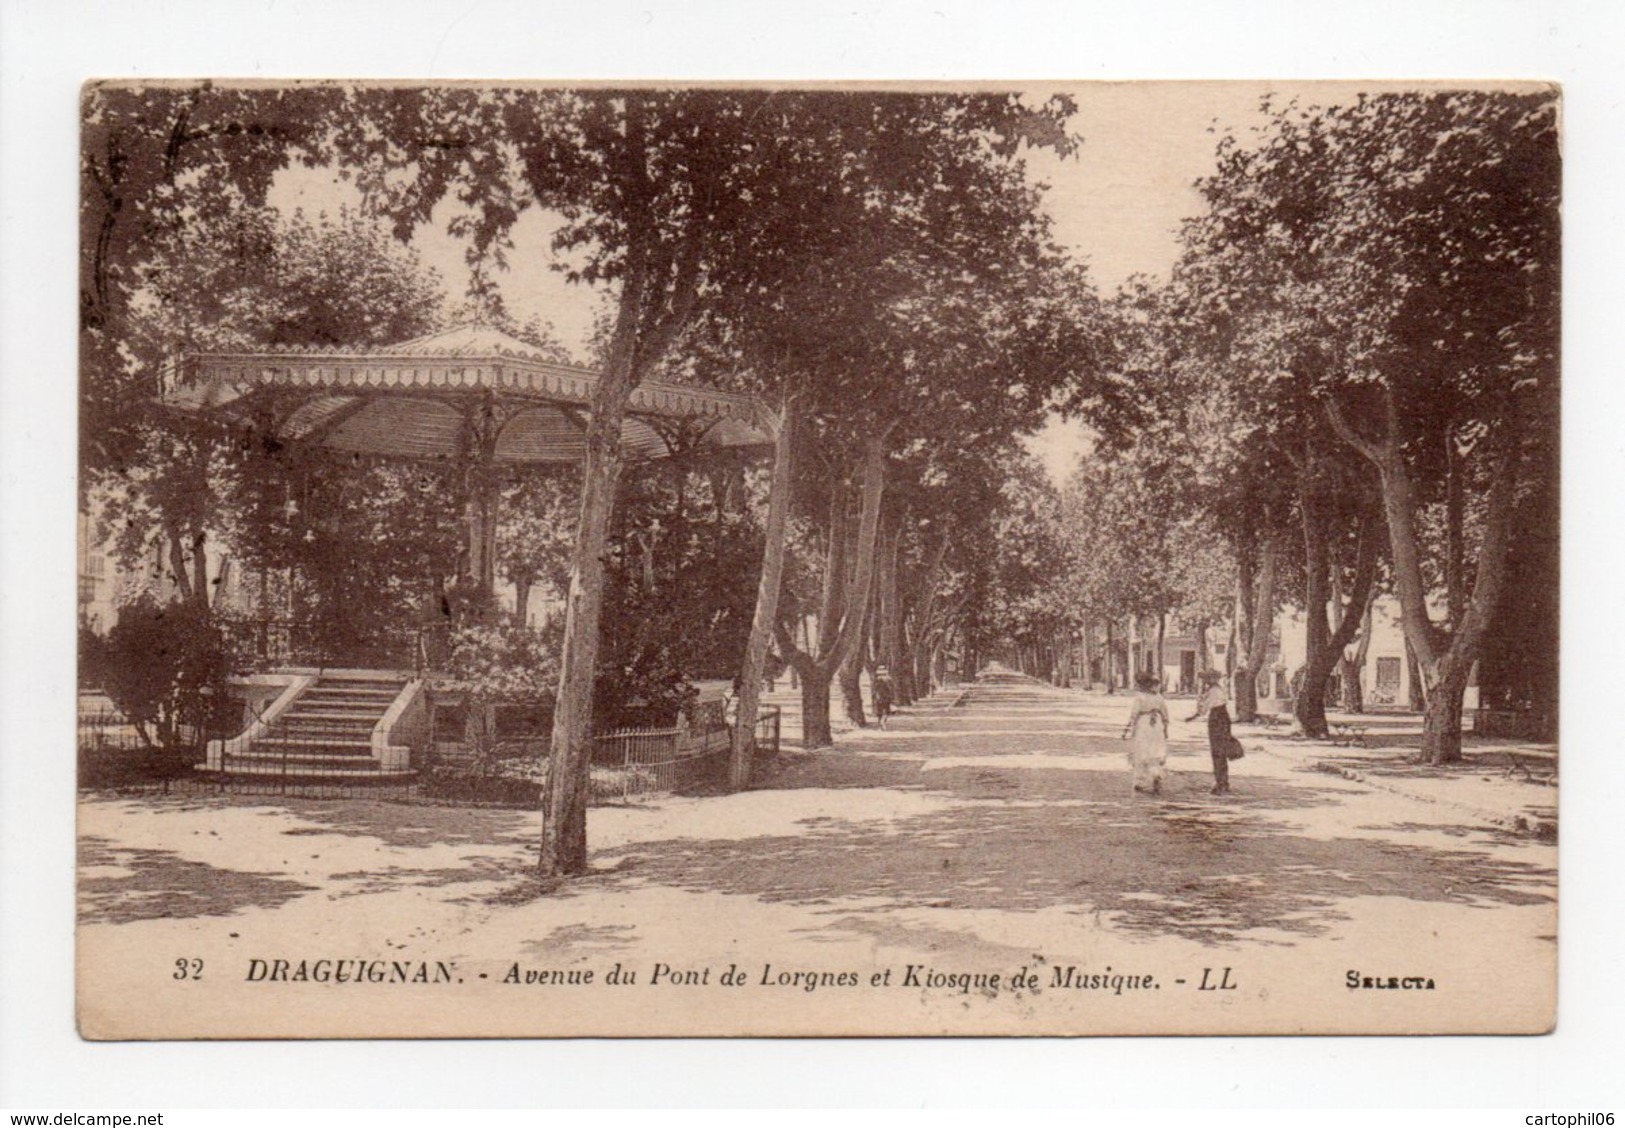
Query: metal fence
{"points": [[655, 761], [768, 726], [295, 787], [318, 643], [113, 753], [106, 730], [630, 764]]}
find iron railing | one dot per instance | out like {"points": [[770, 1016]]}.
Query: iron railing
{"points": [[113, 753], [107, 730], [633, 763], [265, 642], [654, 761], [649, 761], [768, 725]]}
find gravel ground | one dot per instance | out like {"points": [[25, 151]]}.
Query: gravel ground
{"points": [[968, 840]]}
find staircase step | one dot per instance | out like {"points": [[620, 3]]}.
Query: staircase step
{"points": [[274, 772], [361, 733], [360, 685], [354, 694], [326, 733], [366, 692], [330, 713], [266, 761], [294, 745]]}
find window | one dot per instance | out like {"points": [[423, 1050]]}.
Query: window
{"points": [[1386, 691], [87, 589]]}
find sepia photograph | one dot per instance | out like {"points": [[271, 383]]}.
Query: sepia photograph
{"points": [[638, 559]]}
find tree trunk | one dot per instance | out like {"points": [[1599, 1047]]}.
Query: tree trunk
{"points": [[564, 800], [849, 676], [841, 620], [1417, 694], [1322, 659], [643, 330], [1310, 706], [854, 624], [1162, 633], [925, 605], [815, 730], [1255, 606], [1455, 552], [743, 751], [888, 626], [920, 657], [522, 583], [1354, 668], [178, 566], [1246, 694], [1445, 661], [1441, 722], [809, 659]]}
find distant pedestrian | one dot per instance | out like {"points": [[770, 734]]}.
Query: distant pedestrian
{"points": [[1215, 704], [884, 694], [1147, 734]]}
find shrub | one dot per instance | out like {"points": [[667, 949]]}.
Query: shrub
{"points": [[92, 658], [500, 668], [165, 670]]}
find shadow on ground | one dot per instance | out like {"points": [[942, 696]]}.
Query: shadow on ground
{"points": [[1022, 840], [152, 883], [159, 883], [410, 825]]}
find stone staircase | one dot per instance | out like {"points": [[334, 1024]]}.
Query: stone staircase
{"points": [[326, 733]]}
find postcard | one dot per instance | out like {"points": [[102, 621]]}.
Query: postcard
{"points": [[648, 560]]}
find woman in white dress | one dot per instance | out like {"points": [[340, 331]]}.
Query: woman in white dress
{"points": [[1147, 734]]}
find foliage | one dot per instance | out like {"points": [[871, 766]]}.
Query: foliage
{"points": [[159, 160], [496, 665], [166, 671], [93, 658], [252, 280], [680, 591], [536, 529], [1019, 597], [481, 786], [503, 664], [1399, 252], [367, 541]]}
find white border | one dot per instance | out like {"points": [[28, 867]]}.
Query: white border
{"points": [[47, 49]]}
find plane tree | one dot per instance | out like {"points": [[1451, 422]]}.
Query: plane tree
{"points": [[671, 198], [1432, 221], [1253, 282]]}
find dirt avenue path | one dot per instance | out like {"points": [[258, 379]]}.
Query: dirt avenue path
{"points": [[995, 834]]}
